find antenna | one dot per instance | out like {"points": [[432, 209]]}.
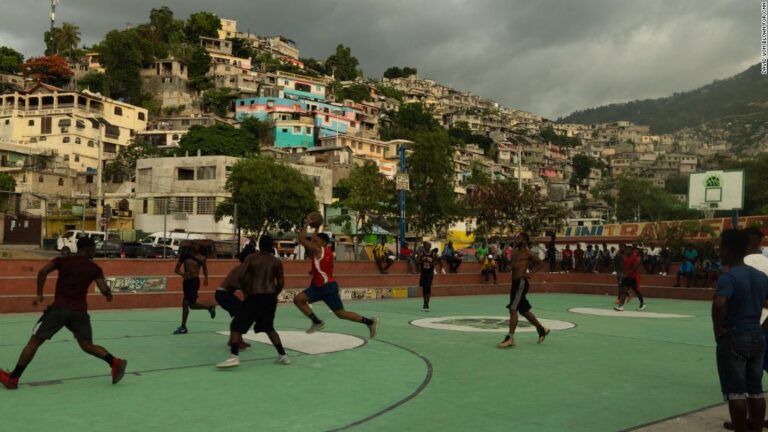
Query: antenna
{"points": [[54, 3]]}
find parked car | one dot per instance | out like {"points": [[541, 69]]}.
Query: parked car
{"points": [[224, 249], [108, 249], [172, 238], [209, 248], [139, 250], [67, 242]]}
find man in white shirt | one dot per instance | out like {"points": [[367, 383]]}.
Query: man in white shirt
{"points": [[755, 257]]}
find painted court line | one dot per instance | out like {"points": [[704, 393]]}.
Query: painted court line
{"points": [[625, 314]]}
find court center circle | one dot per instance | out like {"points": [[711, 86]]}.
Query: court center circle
{"points": [[488, 324]]}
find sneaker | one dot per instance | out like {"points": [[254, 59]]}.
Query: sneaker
{"points": [[442, 271], [283, 360], [425, 309], [232, 361], [373, 327], [613, 273], [181, 330], [118, 370], [618, 308], [212, 311], [508, 342], [316, 327], [8, 382], [642, 307], [542, 334]]}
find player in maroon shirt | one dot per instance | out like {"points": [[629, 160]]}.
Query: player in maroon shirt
{"points": [[631, 280], [69, 309]]}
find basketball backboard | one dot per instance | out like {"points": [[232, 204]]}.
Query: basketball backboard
{"points": [[716, 190]]}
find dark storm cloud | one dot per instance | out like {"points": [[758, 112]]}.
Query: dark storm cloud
{"points": [[545, 56]]}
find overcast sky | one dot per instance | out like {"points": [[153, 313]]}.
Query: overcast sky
{"points": [[545, 56]]}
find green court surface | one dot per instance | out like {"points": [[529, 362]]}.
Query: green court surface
{"points": [[605, 374]]}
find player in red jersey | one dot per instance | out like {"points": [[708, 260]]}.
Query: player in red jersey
{"points": [[69, 309], [631, 279], [323, 286]]}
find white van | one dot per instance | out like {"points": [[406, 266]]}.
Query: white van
{"points": [[67, 242], [172, 239]]}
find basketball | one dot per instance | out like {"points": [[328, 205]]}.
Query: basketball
{"points": [[315, 219]]}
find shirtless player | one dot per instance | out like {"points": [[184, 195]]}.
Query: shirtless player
{"points": [[192, 262], [522, 257]]}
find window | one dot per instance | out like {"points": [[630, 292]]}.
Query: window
{"points": [[185, 174], [65, 140], [61, 182], [309, 130], [185, 122], [206, 205], [118, 111], [142, 116], [145, 206], [66, 158], [175, 137], [89, 179], [112, 131], [40, 179], [90, 143], [46, 125], [315, 181], [80, 124], [227, 171], [303, 87], [65, 122], [77, 140], [33, 204], [206, 173], [77, 158], [285, 130], [297, 129], [7, 121], [184, 205], [161, 204], [31, 122]]}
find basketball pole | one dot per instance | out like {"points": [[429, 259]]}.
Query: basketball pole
{"points": [[735, 218]]}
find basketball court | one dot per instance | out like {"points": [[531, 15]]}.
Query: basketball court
{"points": [[425, 370]]}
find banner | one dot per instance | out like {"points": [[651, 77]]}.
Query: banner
{"points": [[136, 284], [649, 229]]}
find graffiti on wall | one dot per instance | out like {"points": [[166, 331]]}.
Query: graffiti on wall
{"points": [[648, 229], [136, 284]]}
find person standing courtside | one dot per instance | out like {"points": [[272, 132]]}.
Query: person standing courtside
{"points": [[522, 258], [69, 309], [426, 264], [193, 262]]}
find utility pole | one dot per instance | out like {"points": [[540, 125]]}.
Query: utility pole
{"points": [[520, 167], [402, 198], [166, 203], [234, 232], [99, 207]]}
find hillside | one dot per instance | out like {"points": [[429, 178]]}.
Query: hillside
{"points": [[735, 108]]}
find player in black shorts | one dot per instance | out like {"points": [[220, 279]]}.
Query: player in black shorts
{"points": [[193, 262], [262, 280], [226, 298], [426, 263], [69, 309]]}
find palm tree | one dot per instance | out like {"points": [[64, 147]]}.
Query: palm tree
{"points": [[67, 38]]}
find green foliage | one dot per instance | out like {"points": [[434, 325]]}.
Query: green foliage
{"points": [[582, 167], [549, 135], [396, 72], [201, 24], [123, 54], [314, 65], [62, 40], [10, 60], [410, 121], [263, 131], [462, 134], [741, 95], [677, 185], [123, 167], [168, 29], [369, 196], [390, 92], [218, 139], [95, 82], [7, 182], [218, 101], [342, 65], [629, 194], [355, 92], [755, 181], [431, 202], [242, 48], [268, 194], [677, 235]]}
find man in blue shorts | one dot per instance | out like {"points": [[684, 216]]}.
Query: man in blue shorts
{"points": [[736, 308], [323, 286]]}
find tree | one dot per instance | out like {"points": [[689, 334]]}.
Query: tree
{"points": [[219, 139], [677, 185], [390, 92], [10, 60], [218, 101], [68, 38], [396, 72], [462, 134], [95, 82], [431, 202], [52, 70], [242, 48], [7, 184], [123, 54], [199, 63], [582, 167], [202, 24], [342, 65], [549, 135], [123, 167], [168, 29], [268, 194], [314, 65], [755, 178], [630, 195], [369, 197], [263, 131], [411, 120], [355, 92]]}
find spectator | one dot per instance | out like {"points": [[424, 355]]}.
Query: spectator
{"points": [[488, 268], [687, 267], [590, 256], [552, 256], [481, 252], [665, 261], [567, 264], [407, 256], [507, 259], [578, 256], [383, 256], [604, 259], [248, 249], [452, 258], [755, 257]]}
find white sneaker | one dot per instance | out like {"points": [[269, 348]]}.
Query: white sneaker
{"points": [[442, 271], [316, 327], [283, 360], [232, 361], [642, 308], [618, 308], [614, 273], [425, 309], [374, 328]]}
